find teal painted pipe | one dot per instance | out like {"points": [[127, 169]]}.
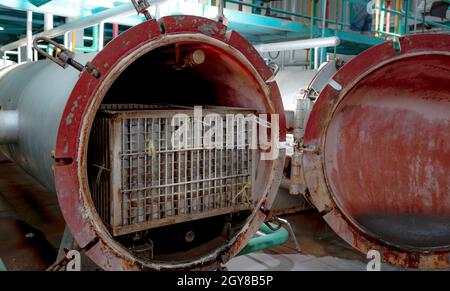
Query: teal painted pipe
{"points": [[329, 21], [270, 240]]}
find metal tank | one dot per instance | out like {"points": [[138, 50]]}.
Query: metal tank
{"points": [[376, 152], [67, 129]]}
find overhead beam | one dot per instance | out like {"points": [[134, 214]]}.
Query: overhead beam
{"points": [[17, 19]]}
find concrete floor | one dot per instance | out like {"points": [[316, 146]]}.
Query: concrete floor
{"points": [[31, 224], [31, 228]]}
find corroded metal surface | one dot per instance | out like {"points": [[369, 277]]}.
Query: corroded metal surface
{"points": [[377, 157], [304, 104], [170, 185], [65, 103], [73, 191]]}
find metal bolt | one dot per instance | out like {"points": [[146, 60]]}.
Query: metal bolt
{"points": [[198, 57], [190, 236], [195, 58], [141, 7]]}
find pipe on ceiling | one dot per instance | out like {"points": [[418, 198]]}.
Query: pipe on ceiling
{"points": [[298, 44]]}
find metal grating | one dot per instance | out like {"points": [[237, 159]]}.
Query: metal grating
{"points": [[150, 184], [100, 167]]}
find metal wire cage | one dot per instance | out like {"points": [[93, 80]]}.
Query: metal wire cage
{"points": [[139, 180]]}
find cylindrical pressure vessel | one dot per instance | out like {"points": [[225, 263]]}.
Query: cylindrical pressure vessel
{"points": [[152, 207], [376, 152]]}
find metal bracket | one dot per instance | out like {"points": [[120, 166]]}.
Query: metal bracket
{"points": [[220, 14], [68, 243], [286, 223], [141, 8], [312, 149], [396, 44], [64, 57], [279, 222], [275, 69]]}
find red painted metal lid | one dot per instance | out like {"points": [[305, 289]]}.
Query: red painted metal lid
{"points": [[378, 151]]}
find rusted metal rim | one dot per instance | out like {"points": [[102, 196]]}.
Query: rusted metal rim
{"points": [[70, 172], [317, 164]]}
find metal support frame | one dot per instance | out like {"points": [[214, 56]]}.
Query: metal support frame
{"points": [[122, 10], [404, 17], [95, 41], [263, 28], [277, 28], [363, 41]]}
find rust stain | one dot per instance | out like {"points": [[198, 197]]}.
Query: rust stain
{"points": [[383, 140], [82, 210], [209, 29], [179, 19]]}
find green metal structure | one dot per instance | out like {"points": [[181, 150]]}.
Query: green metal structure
{"points": [[353, 42], [263, 24]]}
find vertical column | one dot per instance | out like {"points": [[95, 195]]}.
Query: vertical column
{"points": [[115, 30], [48, 24], [101, 35], [29, 52], [48, 21]]}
